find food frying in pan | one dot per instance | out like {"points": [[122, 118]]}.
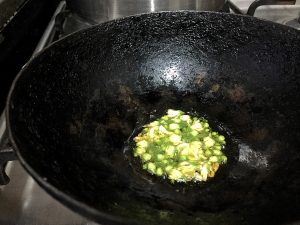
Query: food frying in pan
{"points": [[180, 147]]}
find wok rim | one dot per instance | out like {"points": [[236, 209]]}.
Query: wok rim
{"points": [[78, 206]]}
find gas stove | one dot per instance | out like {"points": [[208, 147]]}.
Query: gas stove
{"points": [[22, 201], [284, 14]]}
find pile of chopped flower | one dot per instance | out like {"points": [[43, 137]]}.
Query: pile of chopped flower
{"points": [[180, 147]]}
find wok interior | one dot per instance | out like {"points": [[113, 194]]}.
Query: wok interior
{"points": [[75, 106]]}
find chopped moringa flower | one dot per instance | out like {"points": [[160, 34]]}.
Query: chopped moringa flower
{"points": [[180, 147], [151, 167], [160, 157], [142, 144], [208, 142], [174, 126], [170, 150], [175, 138], [174, 113], [185, 117], [146, 157], [175, 174], [159, 172]]}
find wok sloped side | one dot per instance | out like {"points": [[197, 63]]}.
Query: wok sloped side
{"points": [[74, 106]]}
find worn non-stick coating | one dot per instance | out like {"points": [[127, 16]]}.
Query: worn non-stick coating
{"points": [[73, 108]]}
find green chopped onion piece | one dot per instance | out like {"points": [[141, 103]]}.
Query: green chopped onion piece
{"points": [[160, 157], [151, 167], [213, 159], [170, 150], [159, 172], [146, 156], [221, 138], [142, 144], [168, 168], [194, 133], [174, 126], [208, 142], [165, 161], [217, 152], [140, 151]]}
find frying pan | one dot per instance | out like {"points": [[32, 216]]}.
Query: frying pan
{"points": [[73, 109]]}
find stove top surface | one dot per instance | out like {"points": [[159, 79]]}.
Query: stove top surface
{"points": [[22, 202]]}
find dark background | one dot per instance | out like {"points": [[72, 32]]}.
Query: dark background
{"points": [[22, 23]]}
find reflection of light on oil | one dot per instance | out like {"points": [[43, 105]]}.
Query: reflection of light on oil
{"points": [[152, 5], [250, 157], [171, 73]]}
